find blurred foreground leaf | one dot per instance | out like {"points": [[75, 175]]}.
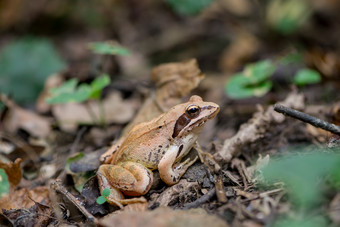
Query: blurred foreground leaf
{"points": [[24, 66], [311, 221], [303, 174]]}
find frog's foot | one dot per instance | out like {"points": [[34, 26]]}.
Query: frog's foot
{"points": [[111, 199], [171, 173], [183, 166], [128, 178]]}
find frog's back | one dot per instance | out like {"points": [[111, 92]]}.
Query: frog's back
{"points": [[146, 144]]}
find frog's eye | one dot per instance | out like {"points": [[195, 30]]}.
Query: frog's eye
{"points": [[192, 111]]}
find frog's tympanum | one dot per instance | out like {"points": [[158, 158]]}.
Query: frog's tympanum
{"points": [[158, 144]]}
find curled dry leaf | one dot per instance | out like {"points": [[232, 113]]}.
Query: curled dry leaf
{"points": [[18, 118], [256, 128], [163, 217], [13, 171], [116, 110], [173, 81]]}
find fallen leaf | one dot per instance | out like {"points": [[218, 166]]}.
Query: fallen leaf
{"points": [[173, 81], [13, 171], [36, 215], [116, 110], [19, 118], [163, 217], [25, 198]]}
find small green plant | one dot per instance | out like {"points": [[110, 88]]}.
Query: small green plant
{"points": [[305, 176], [189, 7], [72, 91], [108, 48], [24, 66], [255, 79], [102, 199], [4, 184], [306, 76]]}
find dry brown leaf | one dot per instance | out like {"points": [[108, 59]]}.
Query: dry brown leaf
{"points": [[25, 198], [116, 109], [173, 81], [19, 118], [256, 127], [13, 171], [163, 217]]}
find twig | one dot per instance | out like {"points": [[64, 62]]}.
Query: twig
{"points": [[58, 187], [317, 122], [201, 200]]}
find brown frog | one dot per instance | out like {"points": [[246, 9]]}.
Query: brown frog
{"points": [[158, 144]]}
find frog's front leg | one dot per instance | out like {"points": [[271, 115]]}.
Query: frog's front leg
{"points": [[128, 178], [170, 172]]}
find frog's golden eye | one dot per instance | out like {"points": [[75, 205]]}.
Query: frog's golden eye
{"points": [[192, 111]]}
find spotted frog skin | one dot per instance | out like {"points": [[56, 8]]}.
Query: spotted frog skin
{"points": [[158, 144]]}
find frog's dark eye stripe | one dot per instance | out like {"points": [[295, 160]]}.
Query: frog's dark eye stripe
{"points": [[192, 111], [182, 121]]}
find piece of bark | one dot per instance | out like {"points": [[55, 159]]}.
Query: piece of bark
{"points": [[257, 127]]}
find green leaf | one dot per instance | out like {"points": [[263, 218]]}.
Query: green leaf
{"points": [[108, 48], [306, 76], [68, 92], [253, 81], [259, 71], [24, 66], [101, 200], [98, 84], [71, 159], [189, 7], [4, 184], [106, 192]]}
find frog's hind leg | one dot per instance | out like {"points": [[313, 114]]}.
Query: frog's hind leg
{"points": [[131, 178]]}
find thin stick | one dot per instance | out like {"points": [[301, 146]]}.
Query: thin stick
{"points": [[58, 187], [317, 122], [201, 200]]}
